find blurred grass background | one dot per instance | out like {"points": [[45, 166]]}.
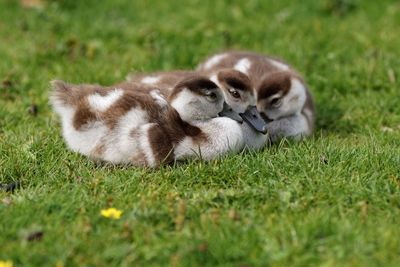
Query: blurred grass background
{"points": [[332, 200]]}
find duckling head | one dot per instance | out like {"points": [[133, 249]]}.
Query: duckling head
{"points": [[237, 89], [280, 94], [196, 98], [239, 96]]}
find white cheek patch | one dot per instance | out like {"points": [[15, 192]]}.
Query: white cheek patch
{"points": [[297, 92], [243, 65], [237, 106], [181, 103], [102, 103], [250, 99], [150, 80], [213, 61], [278, 64], [295, 99]]}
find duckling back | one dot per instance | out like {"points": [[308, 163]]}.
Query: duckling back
{"points": [[100, 122]]}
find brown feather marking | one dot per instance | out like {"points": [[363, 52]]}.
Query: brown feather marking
{"points": [[235, 79], [161, 145], [274, 83], [194, 84], [83, 114]]}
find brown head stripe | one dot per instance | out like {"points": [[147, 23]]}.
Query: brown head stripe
{"points": [[194, 84], [274, 83], [235, 79]]}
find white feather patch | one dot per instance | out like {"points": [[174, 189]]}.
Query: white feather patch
{"points": [[181, 104], [145, 145], [223, 136], [85, 139], [213, 61], [278, 64], [150, 80], [158, 98], [120, 147], [243, 65], [102, 103]]}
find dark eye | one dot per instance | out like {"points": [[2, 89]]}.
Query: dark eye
{"points": [[211, 96], [234, 93], [275, 101]]}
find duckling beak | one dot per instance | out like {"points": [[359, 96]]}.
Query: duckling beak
{"points": [[253, 118], [227, 111]]}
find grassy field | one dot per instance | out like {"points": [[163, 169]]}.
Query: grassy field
{"points": [[333, 200]]}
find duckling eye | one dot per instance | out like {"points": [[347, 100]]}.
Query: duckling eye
{"points": [[275, 102], [211, 96], [234, 93]]}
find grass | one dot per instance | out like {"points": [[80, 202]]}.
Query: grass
{"points": [[333, 200]]}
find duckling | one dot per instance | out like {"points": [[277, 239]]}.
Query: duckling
{"points": [[238, 93], [282, 96], [126, 125], [286, 102], [240, 99]]}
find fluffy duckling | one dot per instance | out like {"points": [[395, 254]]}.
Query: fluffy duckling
{"points": [[240, 99], [238, 93], [281, 94], [127, 125]]}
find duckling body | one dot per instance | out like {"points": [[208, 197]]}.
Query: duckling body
{"points": [[273, 81], [127, 125]]}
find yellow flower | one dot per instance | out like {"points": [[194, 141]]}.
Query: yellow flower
{"points": [[111, 213], [6, 263]]}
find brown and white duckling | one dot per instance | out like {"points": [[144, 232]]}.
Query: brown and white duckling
{"points": [[281, 94], [240, 99], [126, 125], [238, 94]]}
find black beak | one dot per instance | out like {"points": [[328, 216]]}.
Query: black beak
{"points": [[254, 119], [265, 118], [227, 111]]}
